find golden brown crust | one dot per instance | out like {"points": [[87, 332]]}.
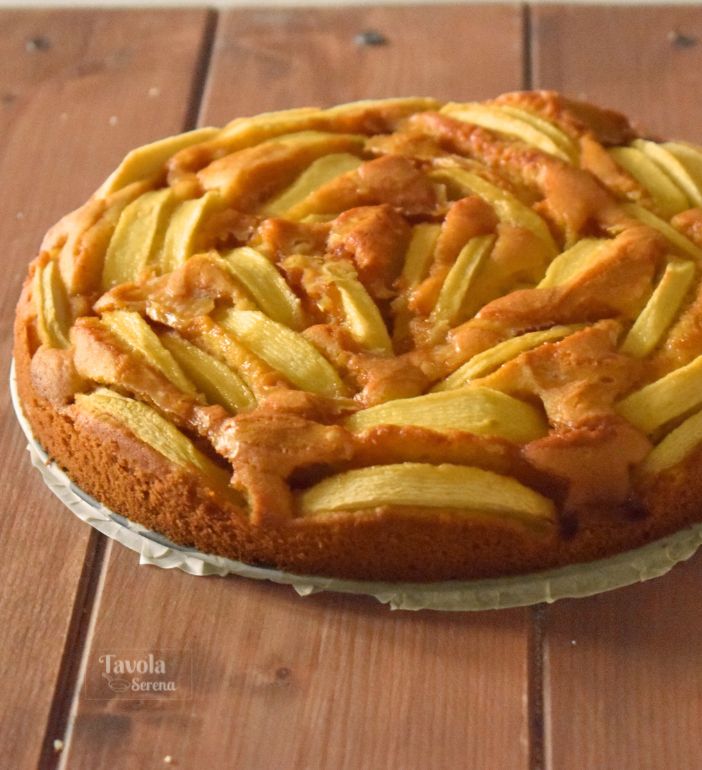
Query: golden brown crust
{"points": [[305, 438]]}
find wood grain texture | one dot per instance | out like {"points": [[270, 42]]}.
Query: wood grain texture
{"points": [[623, 684], [645, 62], [623, 687], [64, 76], [321, 682], [325, 681], [267, 59]]}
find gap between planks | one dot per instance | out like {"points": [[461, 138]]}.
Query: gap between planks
{"points": [[527, 53], [92, 579], [535, 687], [537, 614], [69, 675]]}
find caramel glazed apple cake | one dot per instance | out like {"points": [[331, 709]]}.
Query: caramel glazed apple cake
{"points": [[394, 340]]}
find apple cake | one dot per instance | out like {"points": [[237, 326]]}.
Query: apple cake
{"points": [[390, 340]]}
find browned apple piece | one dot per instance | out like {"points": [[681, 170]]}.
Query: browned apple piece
{"points": [[51, 304], [667, 196], [479, 410], [157, 432], [219, 383], [133, 331]]}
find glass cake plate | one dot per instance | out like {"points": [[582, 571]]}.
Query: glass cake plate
{"points": [[577, 580]]}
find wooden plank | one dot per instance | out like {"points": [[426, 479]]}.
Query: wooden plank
{"points": [[623, 685], [287, 58], [325, 681], [280, 681], [64, 76], [622, 681], [645, 62]]}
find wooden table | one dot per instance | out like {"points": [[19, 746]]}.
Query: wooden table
{"points": [[328, 681]]}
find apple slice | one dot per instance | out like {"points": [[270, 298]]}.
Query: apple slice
{"points": [[471, 491], [51, 305], [667, 196], [492, 358], [674, 167], [666, 399], [584, 255], [363, 318], [660, 310], [508, 208], [245, 132], [496, 119], [286, 351], [323, 170], [219, 383], [179, 241], [559, 137], [416, 266], [149, 161], [218, 343], [419, 254], [398, 106], [266, 285], [483, 411], [690, 156], [137, 238], [155, 431], [133, 331], [459, 279], [675, 237], [675, 447]]}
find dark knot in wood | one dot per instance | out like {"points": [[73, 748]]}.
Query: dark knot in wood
{"points": [[370, 37]]}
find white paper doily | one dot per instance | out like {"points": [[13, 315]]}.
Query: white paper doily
{"points": [[576, 580]]}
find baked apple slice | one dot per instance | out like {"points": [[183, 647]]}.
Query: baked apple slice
{"points": [[668, 197], [155, 431], [51, 305], [512, 123], [150, 159], [690, 156], [459, 279], [133, 332], [290, 202], [468, 490], [488, 360], [362, 316], [479, 410], [660, 310], [667, 159], [137, 238], [266, 285], [284, 350], [220, 384], [665, 399], [181, 233], [675, 447], [559, 137], [574, 261], [675, 238], [419, 255]]}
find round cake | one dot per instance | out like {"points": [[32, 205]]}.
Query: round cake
{"points": [[390, 340]]}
